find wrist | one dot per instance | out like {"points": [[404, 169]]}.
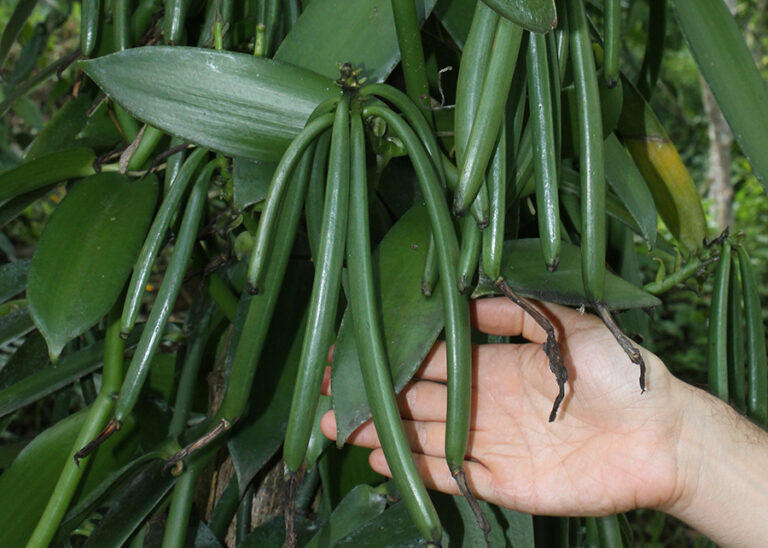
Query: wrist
{"points": [[721, 485]]}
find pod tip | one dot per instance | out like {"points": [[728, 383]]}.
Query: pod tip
{"points": [[611, 83], [252, 289]]}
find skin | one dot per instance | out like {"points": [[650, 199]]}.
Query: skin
{"points": [[611, 449]]}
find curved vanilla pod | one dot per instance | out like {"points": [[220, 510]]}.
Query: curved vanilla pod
{"points": [[757, 372], [612, 41], [493, 235], [591, 154], [544, 151], [370, 344], [166, 295], [325, 294], [455, 305], [316, 125], [717, 345], [155, 238], [490, 110]]}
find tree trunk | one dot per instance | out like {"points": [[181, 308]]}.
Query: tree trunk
{"points": [[720, 190]]}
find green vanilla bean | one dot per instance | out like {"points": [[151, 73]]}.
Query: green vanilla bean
{"points": [[654, 48], [261, 307], [174, 20], [591, 153], [370, 343], [717, 347], [166, 295], [493, 235], [544, 151], [90, 19], [490, 111], [456, 306], [325, 294], [121, 24], [313, 205], [412, 54], [757, 371], [155, 238], [612, 41], [268, 222], [469, 254], [737, 373]]}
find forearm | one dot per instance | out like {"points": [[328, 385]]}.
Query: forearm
{"points": [[723, 472]]}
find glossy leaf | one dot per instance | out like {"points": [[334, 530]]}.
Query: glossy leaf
{"points": [[46, 170], [674, 193], [524, 272], [393, 528], [533, 15], [136, 501], [398, 264], [30, 480], [252, 178], [727, 65], [456, 17], [361, 504], [360, 32], [104, 218], [47, 380], [13, 279], [60, 132], [628, 184], [232, 103]]}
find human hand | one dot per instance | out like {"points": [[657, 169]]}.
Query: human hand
{"points": [[610, 449]]}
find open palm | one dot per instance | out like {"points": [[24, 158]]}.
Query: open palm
{"points": [[610, 449]]}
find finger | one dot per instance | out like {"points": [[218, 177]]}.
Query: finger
{"points": [[433, 366], [328, 425], [423, 437], [325, 387], [424, 401], [500, 316], [436, 475]]}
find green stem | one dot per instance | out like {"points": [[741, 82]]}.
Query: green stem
{"points": [[676, 278], [98, 415], [181, 504], [149, 141]]}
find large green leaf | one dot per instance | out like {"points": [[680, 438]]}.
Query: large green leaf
{"points": [[628, 184], [86, 252], [410, 321], [527, 275], [657, 159], [330, 33], [26, 486], [361, 504], [232, 103], [46, 170], [533, 15], [727, 65]]}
